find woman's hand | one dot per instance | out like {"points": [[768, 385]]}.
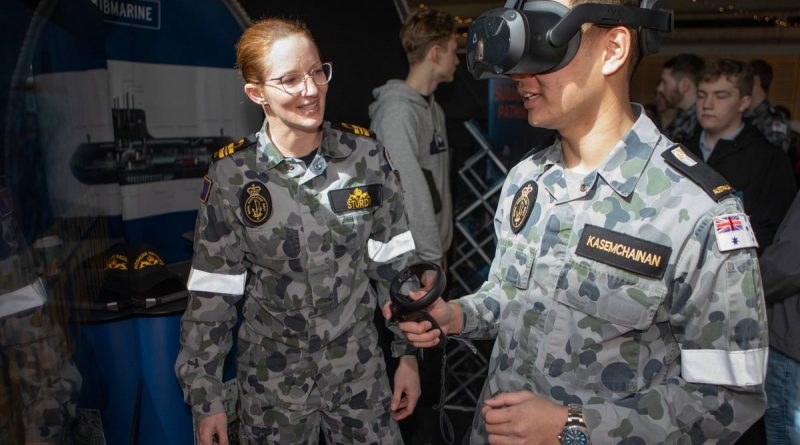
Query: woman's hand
{"points": [[406, 388], [210, 426]]}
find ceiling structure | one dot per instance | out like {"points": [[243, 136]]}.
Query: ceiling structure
{"points": [[699, 21]]}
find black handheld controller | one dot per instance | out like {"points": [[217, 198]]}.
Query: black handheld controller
{"points": [[405, 309]]}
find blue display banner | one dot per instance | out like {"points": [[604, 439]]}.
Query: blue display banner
{"points": [[507, 116]]}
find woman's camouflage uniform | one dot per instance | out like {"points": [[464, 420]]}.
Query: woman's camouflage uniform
{"points": [[302, 244]]}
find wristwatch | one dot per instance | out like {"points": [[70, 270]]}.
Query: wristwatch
{"points": [[574, 431]]}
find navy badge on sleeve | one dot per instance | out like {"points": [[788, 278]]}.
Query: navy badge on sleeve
{"points": [[208, 184], [624, 251], [356, 198], [522, 205], [256, 203]]}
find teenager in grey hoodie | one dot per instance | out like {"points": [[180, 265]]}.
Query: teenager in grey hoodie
{"points": [[409, 122]]}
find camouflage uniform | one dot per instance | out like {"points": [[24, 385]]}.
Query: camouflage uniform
{"points": [[302, 243], [771, 124], [38, 382], [666, 354], [683, 127]]}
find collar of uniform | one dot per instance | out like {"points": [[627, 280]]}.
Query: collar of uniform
{"points": [[331, 146], [621, 170], [627, 160], [335, 143], [551, 167], [267, 152]]}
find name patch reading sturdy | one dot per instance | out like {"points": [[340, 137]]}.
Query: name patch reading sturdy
{"points": [[356, 198], [624, 251]]}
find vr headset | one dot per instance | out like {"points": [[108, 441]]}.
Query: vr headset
{"points": [[542, 36]]}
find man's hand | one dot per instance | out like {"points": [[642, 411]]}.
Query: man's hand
{"points": [[209, 426], [523, 418], [406, 388], [447, 315]]}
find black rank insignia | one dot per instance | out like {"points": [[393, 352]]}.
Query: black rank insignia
{"points": [[256, 203], [522, 205]]}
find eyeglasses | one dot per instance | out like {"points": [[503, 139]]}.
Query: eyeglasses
{"points": [[294, 83]]}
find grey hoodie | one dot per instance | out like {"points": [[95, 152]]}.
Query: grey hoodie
{"points": [[413, 130]]}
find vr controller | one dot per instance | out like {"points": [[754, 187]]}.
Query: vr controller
{"points": [[405, 309], [542, 36]]}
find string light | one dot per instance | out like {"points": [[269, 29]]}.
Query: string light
{"points": [[728, 7]]}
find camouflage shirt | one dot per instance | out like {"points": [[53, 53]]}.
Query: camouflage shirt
{"points": [[302, 244], [771, 124], [40, 384], [684, 126], [610, 290]]}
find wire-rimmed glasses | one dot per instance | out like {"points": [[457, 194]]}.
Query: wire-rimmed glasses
{"points": [[294, 83]]}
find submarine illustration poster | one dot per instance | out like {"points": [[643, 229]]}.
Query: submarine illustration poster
{"points": [[128, 115]]}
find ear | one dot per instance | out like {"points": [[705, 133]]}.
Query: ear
{"points": [[434, 53], [745, 102], [617, 49], [255, 93], [684, 84]]}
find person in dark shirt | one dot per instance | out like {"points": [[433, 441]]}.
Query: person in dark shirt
{"points": [[759, 171]]}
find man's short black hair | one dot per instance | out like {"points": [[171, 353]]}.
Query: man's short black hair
{"points": [[763, 70], [686, 65]]}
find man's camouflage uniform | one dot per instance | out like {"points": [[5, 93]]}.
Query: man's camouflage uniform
{"points": [[678, 358], [302, 244], [39, 384], [771, 124], [684, 126]]}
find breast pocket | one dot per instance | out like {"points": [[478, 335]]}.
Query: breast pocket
{"points": [[273, 242], [350, 232], [610, 294], [515, 265], [596, 334]]}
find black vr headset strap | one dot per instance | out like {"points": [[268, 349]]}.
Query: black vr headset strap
{"points": [[611, 15], [514, 4]]}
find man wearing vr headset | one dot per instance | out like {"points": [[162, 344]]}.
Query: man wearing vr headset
{"points": [[624, 295]]}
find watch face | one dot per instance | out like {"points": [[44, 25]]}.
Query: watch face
{"points": [[573, 435]]}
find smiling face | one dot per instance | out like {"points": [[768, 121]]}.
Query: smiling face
{"points": [[300, 112], [561, 98]]}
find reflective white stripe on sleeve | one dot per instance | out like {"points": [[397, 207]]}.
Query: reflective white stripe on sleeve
{"points": [[22, 299], [383, 252], [216, 282], [733, 368]]}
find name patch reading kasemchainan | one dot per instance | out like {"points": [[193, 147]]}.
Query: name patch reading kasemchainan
{"points": [[624, 251]]}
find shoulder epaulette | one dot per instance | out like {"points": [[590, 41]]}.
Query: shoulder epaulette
{"points": [[686, 162], [233, 147], [355, 129]]}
